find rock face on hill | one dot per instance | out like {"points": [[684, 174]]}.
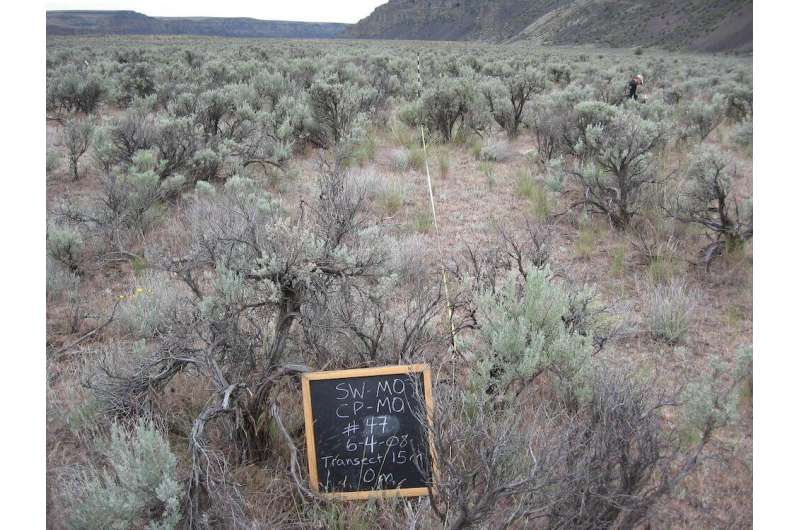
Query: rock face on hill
{"points": [[699, 25], [133, 23]]}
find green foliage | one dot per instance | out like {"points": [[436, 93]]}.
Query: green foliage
{"points": [[707, 199], [700, 117], [490, 174], [416, 159], [207, 164], [744, 372], [743, 135], [668, 310], [336, 109], [616, 150], [525, 184], [540, 203], [132, 196], [52, 162], [177, 144], [70, 90], [662, 268], [135, 80], [525, 330], [586, 242], [77, 137], [410, 114], [447, 105], [535, 193], [65, 245], [366, 150], [422, 221], [391, 197], [708, 403], [140, 488]]}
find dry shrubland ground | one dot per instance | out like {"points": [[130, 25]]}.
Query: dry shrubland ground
{"points": [[155, 313]]}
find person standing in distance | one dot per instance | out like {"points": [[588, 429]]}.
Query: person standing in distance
{"points": [[633, 84]]}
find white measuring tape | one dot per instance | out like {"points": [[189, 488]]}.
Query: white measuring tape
{"points": [[435, 220]]}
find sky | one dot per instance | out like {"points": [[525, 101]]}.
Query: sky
{"points": [[305, 10]]}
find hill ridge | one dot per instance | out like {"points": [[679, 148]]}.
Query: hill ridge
{"points": [[697, 25], [128, 22]]}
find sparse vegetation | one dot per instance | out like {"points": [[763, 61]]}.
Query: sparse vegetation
{"points": [[253, 209]]}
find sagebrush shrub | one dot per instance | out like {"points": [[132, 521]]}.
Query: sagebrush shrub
{"points": [[70, 90], [139, 489], [701, 117], [709, 402], [743, 134], [131, 196], [336, 108], [616, 161], [448, 104], [77, 137], [52, 162], [550, 119], [135, 131], [177, 144], [524, 332], [135, 80], [207, 164], [498, 151], [398, 159], [149, 306], [65, 245], [707, 199], [506, 97]]}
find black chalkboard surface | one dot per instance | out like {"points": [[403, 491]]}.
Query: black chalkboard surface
{"points": [[365, 431]]}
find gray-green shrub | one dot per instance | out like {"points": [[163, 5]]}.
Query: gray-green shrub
{"points": [[507, 97], [149, 306], [497, 151], [52, 162], [77, 137], [707, 199], [448, 104], [616, 162], [65, 245], [525, 330], [140, 487]]}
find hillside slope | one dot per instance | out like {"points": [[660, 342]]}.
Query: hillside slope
{"points": [[133, 23], [701, 25]]}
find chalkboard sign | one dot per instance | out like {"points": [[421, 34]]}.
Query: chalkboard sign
{"points": [[366, 431]]}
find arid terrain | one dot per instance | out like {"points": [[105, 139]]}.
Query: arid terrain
{"points": [[222, 211]]}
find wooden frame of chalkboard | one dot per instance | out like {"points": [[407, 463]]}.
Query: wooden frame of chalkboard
{"points": [[311, 445]]}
